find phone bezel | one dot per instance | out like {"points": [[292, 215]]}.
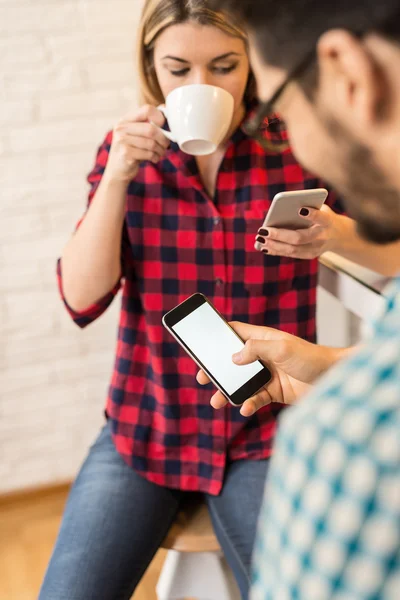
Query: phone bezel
{"points": [[186, 308]]}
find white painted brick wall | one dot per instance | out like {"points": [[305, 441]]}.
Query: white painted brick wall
{"points": [[66, 75]]}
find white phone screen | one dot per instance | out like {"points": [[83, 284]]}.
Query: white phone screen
{"points": [[213, 343]]}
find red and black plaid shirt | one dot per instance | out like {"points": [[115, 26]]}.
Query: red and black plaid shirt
{"points": [[178, 241]]}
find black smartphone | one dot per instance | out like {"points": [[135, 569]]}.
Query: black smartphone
{"points": [[207, 337]]}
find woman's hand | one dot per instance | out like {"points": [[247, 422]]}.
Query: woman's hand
{"points": [[302, 243], [295, 364], [136, 138]]}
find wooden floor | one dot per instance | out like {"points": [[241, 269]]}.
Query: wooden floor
{"points": [[28, 528]]}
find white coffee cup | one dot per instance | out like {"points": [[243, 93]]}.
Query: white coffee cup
{"points": [[199, 117]]}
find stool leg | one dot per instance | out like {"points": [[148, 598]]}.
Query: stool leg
{"points": [[202, 575]]}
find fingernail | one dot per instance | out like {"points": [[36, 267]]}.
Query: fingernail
{"points": [[265, 251], [260, 239], [304, 212], [237, 358], [263, 232]]}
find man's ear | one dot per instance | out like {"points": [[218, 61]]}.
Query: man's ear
{"points": [[351, 83]]}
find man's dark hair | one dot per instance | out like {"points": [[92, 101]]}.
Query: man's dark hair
{"points": [[287, 30]]}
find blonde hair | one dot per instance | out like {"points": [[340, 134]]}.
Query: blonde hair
{"points": [[157, 15]]}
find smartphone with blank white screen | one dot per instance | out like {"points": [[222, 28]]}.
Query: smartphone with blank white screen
{"points": [[285, 208], [210, 341]]}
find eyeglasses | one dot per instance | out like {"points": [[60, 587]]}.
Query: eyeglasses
{"points": [[253, 127]]}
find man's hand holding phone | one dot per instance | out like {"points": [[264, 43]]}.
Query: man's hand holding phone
{"points": [[209, 339], [295, 365]]}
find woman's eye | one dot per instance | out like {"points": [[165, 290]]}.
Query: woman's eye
{"points": [[180, 73], [224, 70]]}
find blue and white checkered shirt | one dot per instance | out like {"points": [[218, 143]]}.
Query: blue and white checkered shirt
{"points": [[330, 524]]}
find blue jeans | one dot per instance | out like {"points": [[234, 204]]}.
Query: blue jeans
{"points": [[115, 521]]}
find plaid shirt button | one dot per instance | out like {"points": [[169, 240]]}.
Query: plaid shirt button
{"points": [[219, 282], [217, 221]]}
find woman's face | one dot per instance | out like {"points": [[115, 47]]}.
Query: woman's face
{"points": [[190, 53]]}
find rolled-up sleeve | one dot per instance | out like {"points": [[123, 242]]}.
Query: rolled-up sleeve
{"points": [[93, 312], [90, 314]]}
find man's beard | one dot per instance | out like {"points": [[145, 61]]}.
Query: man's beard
{"points": [[369, 198]]}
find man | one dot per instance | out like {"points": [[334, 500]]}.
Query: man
{"points": [[330, 526]]}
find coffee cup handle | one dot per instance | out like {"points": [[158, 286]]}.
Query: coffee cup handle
{"points": [[167, 134]]}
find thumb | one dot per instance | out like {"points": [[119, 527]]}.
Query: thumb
{"points": [[150, 113], [252, 351], [316, 217], [157, 117]]}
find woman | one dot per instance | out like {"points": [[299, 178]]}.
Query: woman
{"points": [[169, 225]]}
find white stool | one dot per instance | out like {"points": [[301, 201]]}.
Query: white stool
{"points": [[195, 566]]}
